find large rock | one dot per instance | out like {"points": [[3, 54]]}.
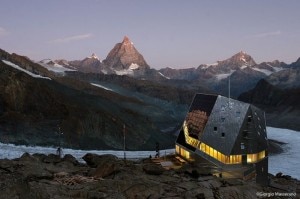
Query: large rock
{"points": [[71, 159], [94, 160], [52, 158], [153, 169], [105, 169]]}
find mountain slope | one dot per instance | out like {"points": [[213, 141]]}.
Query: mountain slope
{"points": [[286, 79], [281, 105], [90, 117]]}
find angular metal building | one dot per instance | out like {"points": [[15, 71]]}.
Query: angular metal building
{"points": [[226, 135]]}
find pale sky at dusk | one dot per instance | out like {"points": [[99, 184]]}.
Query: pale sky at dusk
{"points": [[168, 33]]}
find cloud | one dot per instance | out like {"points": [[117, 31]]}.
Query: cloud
{"points": [[3, 32], [267, 34], [71, 38]]}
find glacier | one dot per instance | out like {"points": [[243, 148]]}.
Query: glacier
{"points": [[286, 162]]}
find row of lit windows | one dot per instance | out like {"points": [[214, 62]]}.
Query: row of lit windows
{"points": [[182, 152], [232, 159], [255, 157]]}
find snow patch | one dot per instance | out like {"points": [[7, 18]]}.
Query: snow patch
{"points": [[243, 59], [129, 71], [224, 75], [133, 66], [276, 68], [124, 72], [243, 67], [103, 87], [23, 70], [265, 71], [104, 71], [163, 75], [57, 68], [206, 66]]}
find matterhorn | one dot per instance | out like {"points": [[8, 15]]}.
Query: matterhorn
{"points": [[124, 56]]}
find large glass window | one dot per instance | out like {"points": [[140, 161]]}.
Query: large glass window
{"points": [[251, 158]]}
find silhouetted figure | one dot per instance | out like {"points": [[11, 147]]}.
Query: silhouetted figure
{"points": [[59, 152]]}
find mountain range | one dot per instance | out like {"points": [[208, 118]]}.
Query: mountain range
{"points": [[124, 59], [91, 100]]}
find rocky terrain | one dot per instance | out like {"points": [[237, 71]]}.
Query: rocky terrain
{"points": [[41, 176]]}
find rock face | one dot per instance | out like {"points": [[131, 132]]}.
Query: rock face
{"points": [[29, 177], [124, 56], [90, 64]]}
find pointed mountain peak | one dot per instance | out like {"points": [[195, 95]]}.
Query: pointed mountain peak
{"points": [[94, 56], [243, 58], [125, 56], [126, 41], [241, 54]]}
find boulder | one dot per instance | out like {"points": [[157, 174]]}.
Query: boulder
{"points": [[71, 159], [93, 160], [39, 156], [52, 158], [153, 169], [27, 157], [105, 169]]}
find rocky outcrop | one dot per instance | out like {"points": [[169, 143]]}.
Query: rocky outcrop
{"points": [[31, 177], [90, 64]]}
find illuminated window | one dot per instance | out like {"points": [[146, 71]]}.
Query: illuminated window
{"points": [[251, 158]]}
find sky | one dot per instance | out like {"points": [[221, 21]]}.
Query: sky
{"points": [[168, 33]]}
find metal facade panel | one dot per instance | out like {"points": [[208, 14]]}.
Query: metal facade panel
{"points": [[224, 124], [260, 127]]}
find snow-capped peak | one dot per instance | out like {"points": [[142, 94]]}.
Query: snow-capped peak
{"points": [[47, 61], [94, 56]]}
